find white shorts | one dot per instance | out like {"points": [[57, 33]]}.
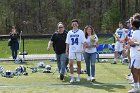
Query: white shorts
{"points": [[135, 62], [76, 56], [119, 46]]}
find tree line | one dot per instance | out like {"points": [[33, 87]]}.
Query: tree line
{"points": [[42, 16]]}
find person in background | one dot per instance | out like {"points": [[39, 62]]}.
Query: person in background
{"points": [[127, 46], [59, 46], [90, 51], [120, 36], [129, 35], [14, 45]]}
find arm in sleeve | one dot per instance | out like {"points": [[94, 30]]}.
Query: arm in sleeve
{"points": [[137, 42], [83, 37]]}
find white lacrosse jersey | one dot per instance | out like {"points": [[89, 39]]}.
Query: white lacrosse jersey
{"points": [[75, 39], [134, 50], [121, 33]]}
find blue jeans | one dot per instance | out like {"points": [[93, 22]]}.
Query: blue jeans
{"points": [[90, 59], [61, 62]]}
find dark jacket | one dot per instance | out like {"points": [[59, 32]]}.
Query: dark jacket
{"points": [[14, 41], [58, 40]]}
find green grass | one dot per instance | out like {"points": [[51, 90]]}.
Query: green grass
{"points": [[106, 75], [32, 46], [106, 40], [4, 49], [37, 46]]}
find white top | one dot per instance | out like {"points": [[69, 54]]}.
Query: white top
{"points": [[134, 50], [75, 39], [121, 33], [88, 41]]}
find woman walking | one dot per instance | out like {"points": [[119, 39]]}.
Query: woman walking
{"points": [[90, 52], [14, 45]]}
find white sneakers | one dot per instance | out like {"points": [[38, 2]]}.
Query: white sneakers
{"points": [[77, 79], [133, 90], [90, 79], [73, 80]]}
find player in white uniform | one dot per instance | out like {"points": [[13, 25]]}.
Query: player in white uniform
{"points": [[137, 17], [120, 36], [135, 56], [127, 46], [74, 48]]}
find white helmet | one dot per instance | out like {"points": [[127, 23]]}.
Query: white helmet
{"points": [[18, 61], [21, 69], [41, 65], [104, 60], [47, 69], [8, 74]]}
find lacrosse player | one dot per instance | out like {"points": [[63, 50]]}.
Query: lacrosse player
{"points": [[74, 48], [120, 36]]}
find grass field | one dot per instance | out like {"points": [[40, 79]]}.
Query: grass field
{"points": [[109, 79], [37, 46]]}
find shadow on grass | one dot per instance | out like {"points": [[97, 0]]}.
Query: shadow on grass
{"points": [[106, 86], [95, 85]]}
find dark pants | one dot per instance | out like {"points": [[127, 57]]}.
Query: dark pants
{"points": [[14, 54], [14, 49]]}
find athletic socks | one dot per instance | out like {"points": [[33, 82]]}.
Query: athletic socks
{"points": [[72, 76], [78, 75], [115, 59]]}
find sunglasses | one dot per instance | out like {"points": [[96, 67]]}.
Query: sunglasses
{"points": [[61, 27]]}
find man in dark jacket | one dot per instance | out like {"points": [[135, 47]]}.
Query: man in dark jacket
{"points": [[58, 42]]}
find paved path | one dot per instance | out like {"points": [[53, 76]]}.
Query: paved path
{"points": [[50, 56]]}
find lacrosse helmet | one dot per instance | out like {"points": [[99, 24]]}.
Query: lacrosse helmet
{"points": [[41, 65], [21, 69], [34, 69], [18, 61], [47, 69], [25, 73], [104, 60], [125, 60], [9, 74]]}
